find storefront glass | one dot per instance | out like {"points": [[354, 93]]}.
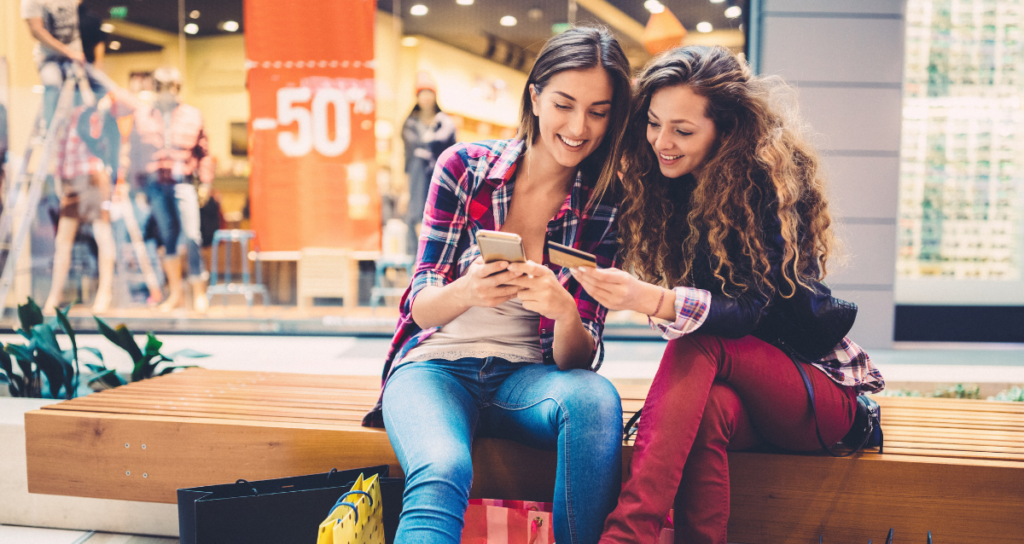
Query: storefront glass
{"points": [[961, 209], [309, 168]]}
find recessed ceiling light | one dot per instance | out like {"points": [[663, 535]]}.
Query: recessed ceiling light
{"points": [[733, 12], [654, 6], [410, 41], [464, 2], [107, 27], [191, 28], [229, 26], [535, 14], [418, 9], [717, 1], [704, 26], [508, 20], [115, 45], [194, 14]]}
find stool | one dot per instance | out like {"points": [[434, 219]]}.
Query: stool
{"points": [[229, 287], [381, 265]]}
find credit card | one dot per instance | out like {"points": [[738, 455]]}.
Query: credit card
{"points": [[569, 257]]}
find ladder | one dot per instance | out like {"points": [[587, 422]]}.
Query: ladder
{"points": [[46, 138]]}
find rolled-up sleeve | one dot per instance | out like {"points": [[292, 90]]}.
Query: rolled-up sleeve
{"points": [[443, 223]]}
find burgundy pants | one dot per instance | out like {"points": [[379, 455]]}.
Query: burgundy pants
{"points": [[713, 395]]}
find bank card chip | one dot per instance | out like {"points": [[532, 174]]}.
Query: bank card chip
{"points": [[569, 257]]}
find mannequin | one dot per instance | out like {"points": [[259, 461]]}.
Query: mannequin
{"points": [[169, 146], [90, 154], [427, 132]]}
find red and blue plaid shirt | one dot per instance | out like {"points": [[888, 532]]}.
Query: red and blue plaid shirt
{"points": [[471, 190]]}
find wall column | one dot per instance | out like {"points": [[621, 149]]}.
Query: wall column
{"points": [[846, 61]]}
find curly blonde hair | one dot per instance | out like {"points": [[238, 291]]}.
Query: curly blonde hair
{"points": [[759, 164]]}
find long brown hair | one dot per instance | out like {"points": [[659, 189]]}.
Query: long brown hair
{"points": [[581, 48], [760, 164]]}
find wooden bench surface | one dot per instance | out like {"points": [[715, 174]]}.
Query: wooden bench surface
{"points": [[954, 467]]}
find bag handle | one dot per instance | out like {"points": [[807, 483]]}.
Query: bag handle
{"points": [[240, 481], [355, 492], [814, 412], [350, 505]]}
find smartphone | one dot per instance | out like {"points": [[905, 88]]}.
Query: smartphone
{"points": [[570, 257], [500, 246]]}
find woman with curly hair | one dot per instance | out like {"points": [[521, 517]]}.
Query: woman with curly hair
{"points": [[726, 223]]}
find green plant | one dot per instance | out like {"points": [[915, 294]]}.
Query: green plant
{"points": [[145, 361], [1013, 394], [901, 393], [41, 357], [958, 391]]}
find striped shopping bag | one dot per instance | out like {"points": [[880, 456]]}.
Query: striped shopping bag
{"points": [[493, 521]]}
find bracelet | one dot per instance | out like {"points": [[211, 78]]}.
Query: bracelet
{"points": [[660, 300]]}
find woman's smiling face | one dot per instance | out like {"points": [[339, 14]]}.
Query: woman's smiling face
{"points": [[573, 110], [679, 131]]}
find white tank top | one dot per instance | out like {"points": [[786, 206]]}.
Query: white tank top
{"points": [[508, 331]]}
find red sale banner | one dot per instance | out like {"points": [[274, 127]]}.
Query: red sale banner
{"points": [[310, 77]]}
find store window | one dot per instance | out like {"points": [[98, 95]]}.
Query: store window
{"points": [[961, 234], [286, 140]]}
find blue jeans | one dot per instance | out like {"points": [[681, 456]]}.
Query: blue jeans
{"points": [[432, 409]]}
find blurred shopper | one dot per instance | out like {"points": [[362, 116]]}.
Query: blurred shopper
{"points": [[724, 202], [168, 147], [87, 163], [54, 23], [427, 132], [506, 350], [90, 28]]}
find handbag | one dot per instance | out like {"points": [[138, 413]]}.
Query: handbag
{"points": [[356, 517], [514, 522], [276, 511]]}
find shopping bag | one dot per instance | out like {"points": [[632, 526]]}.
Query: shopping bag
{"points": [[279, 511], [356, 517], [490, 521]]}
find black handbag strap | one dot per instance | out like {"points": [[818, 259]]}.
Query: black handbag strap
{"points": [[814, 412], [632, 426]]}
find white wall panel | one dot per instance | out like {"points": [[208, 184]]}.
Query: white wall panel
{"points": [[853, 119], [876, 317], [821, 49], [869, 253], [836, 6], [862, 186]]}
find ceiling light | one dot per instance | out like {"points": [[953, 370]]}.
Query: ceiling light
{"points": [[107, 27], [733, 12], [535, 14], [508, 20], [410, 41], [418, 9], [115, 45], [704, 26], [194, 14], [717, 1], [654, 6], [464, 2], [229, 26], [191, 28]]}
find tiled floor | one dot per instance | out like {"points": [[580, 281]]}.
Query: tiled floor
{"points": [[10, 534]]}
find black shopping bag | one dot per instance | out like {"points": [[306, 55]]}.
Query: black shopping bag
{"points": [[282, 511]]}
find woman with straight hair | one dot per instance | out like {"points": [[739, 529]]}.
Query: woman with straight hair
{"points": [[726, 223], [504, 349]]}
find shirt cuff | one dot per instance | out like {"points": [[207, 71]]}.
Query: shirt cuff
{"points": [[692, 307]]}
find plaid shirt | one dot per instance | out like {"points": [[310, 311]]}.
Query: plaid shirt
{"points": [[847, 365], [73, 156], [472, 189]]}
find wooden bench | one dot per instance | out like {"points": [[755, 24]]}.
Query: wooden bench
{"points": [[953, 467]]}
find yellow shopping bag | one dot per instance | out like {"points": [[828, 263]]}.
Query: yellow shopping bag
{"points": [[357, 517]]}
